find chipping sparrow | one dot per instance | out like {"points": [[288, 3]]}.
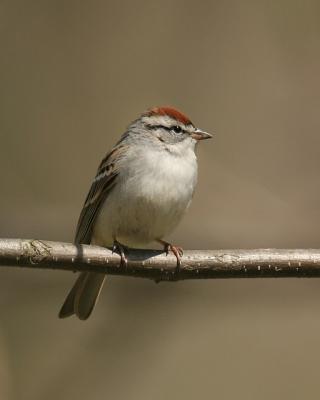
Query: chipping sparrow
{"points": [[141, 191]]}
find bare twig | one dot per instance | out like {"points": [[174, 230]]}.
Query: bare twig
{"points": [[154, 264]]}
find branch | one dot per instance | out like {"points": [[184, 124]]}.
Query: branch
{"points": [[154, 264]]}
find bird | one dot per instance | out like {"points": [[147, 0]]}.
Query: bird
{"points": [[141, 191]]}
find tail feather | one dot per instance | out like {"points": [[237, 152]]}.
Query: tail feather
{"points": [[87, 297], [83, 296]]}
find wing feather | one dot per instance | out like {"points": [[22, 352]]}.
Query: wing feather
{"points": [[101, 187]]}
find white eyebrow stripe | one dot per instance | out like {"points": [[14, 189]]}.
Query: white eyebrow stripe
{"points": [[164, 120]]}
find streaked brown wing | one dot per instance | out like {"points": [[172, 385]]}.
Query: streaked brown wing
{"points": [[102, 185]]}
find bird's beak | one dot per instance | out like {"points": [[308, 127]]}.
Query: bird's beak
{"points": [[198, 134]]}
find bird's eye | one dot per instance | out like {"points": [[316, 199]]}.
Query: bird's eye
{"points": [[177, 129]]}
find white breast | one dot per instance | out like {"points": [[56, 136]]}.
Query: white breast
{"points": [[150, 197]]}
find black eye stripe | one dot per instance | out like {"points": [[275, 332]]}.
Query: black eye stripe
{"points": [[174, 128], [158, 127]]}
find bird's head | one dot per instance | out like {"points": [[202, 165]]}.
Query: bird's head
{"points": [[169, 126]]}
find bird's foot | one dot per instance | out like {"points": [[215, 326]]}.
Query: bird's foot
{"points": [[120, 248], [176, 250]]}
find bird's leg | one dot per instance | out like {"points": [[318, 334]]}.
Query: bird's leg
{"points": [[176, 250], [120, 249]]}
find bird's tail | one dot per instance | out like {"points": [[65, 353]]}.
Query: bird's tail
{"points": [[83, 296]]}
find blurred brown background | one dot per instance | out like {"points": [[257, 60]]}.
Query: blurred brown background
{"points": [[73, 75]]}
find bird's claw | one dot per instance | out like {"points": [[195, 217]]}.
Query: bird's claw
{"points": [[119, 248], [176, 250]]}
